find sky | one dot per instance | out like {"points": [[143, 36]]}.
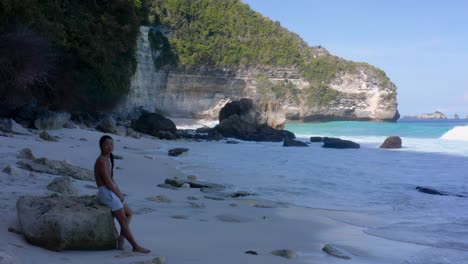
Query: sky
{"points": [[421, 45]]}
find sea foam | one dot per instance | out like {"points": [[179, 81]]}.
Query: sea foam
{"points": [[457, 133]]}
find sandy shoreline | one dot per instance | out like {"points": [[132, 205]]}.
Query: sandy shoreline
{"points": [[183, 230]]}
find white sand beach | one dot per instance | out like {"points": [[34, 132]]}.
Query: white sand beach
{"points": [[185, 230]]}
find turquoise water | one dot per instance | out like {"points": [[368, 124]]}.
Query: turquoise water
{"points": [[403, 128]]}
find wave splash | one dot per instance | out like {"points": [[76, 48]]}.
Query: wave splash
{"points": [[456, 133]]}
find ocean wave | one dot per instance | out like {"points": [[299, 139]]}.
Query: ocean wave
{"points": [[456, 133], [186, 123]]}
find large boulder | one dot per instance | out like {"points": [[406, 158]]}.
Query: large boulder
{"points": [[339, 143], [255, 112], [293, 143], [8, 125], [66, 222], [154, 124], [107, 125], [392, 143], [316, 139], [52, 120], [247, 120]]}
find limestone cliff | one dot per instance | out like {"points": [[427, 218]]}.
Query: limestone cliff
{"points": [[362, 93]]}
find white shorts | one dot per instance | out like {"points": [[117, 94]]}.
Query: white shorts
{"points": [[109, 199]]}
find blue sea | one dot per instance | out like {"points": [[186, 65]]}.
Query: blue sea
{"points": [[377, 184], [403, 128]]}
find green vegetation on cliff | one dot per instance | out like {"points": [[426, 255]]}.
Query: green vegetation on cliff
{"points": [[84, 51], [91, 46], [224, 33], [279, 91]]}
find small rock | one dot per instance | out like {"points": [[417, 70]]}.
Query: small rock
{"points": [[285, 253], [335, 251], [202, 184], [144, 210], [149, 157], [174, 182], [26, 153], [160, 199], [132, 133], [83, 139], [52, 120], [316, 139], [185, 185], [11, 170], [118, 168], [107, 125], [127, 147], [156, 260], [429, 191], [232, 142], [8, 125], [180, 217], [392, 143], [233, 218], [47, 137], [214, 198], [265, 206], [193, 198], [252, 252], [121, 130], [239, 194], [233, 204], [293, 143], [203, 129], [192, 177], [211, 190], [14, 230], [167, 186], [177, 151]]}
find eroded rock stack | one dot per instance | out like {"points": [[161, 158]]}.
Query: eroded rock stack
{"points": [[253, 121]]}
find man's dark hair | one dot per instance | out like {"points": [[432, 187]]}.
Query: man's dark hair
{"points": [[101, 141]]}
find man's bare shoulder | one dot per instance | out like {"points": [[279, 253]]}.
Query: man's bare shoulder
{"points": [[100, 161]]}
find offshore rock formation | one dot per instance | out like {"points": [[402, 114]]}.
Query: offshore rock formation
{"points": [[435, 115], [201, 93]]}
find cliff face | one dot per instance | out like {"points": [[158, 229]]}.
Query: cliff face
{"points": [[202, 92], [361, 97]]}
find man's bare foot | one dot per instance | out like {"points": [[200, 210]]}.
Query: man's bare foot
{"points": [[141, 250], [120, 242]]}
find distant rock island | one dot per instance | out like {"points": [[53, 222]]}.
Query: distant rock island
{"points": [[435, 115]]}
